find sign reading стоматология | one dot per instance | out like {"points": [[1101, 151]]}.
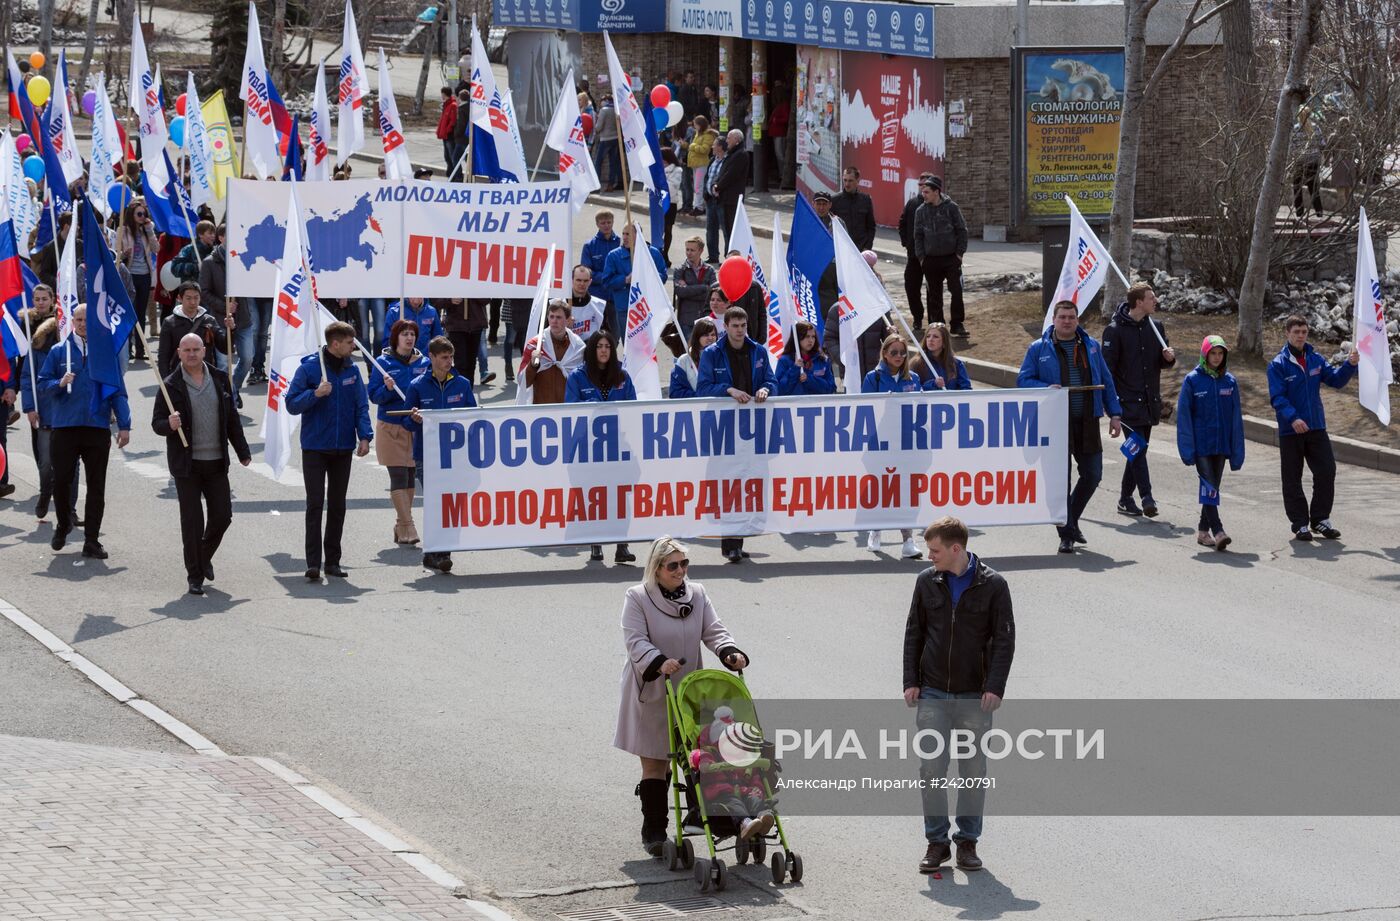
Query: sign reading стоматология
{"points": [[1068, 105], [592, 473]]}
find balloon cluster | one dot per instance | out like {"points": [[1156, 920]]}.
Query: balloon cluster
{"points": [[665, 111]]}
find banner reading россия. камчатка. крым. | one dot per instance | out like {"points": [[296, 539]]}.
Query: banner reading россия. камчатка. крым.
{"points": [[603, 472]]}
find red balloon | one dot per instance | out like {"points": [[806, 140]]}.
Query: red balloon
{"points": [[3, 460], [587, 124], [660, 96], [735, 277], [180, 104]]}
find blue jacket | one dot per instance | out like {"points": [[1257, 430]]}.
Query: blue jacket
{"points": [[427, 392], [337, 421], [1296, 395], [426, 316], [579, 389], [74, 410], [961, 382], [715, 379], [1209, 419], [615, 271], [820, 380], [680, 388], [1041, 368], [403, 373], [26, 386], [881, 380], [595, 254]]}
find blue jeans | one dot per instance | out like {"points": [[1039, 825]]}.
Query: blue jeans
{"points": [[243, 347], [372, 311], [260, 309], [1090, 467], [508, 347], [483, 352], [605, 154], [714, 217], [943, 720]]}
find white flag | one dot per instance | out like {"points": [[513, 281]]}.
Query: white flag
{"points": [[318, 151], [1374, 373], [145, 102], [61, 136], [566, 135], [648, 312], [67, 298], [524, 395], [297, 324], [24, 211], [259, 130], [631, 124], [863, 301], [741, 238], [782, 306], [106, 148], [396, 162], [1085, 268], [199, 150], [492, 113], [351, 90]]}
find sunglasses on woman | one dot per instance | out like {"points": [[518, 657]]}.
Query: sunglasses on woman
{"points": [[674, 565]]}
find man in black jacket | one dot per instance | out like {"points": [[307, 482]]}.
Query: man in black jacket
{"points": [[855, 209], [913, 268], [940, 240], [731, 182], [958, 645], [204, 411], [1135, 357], [190, 317]]}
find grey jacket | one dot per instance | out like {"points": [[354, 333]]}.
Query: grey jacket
{"points": [[939, 230]]}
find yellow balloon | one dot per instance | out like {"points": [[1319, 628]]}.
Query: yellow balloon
{"points": [[36, 60], [39, 89]]}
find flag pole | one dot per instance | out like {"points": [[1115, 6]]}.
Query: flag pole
{"points": [[33, 375], [168, 404], [626, 180], [899, 315]]}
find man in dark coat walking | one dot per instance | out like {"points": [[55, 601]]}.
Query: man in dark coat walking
{"points": [[956, 677], [855, 209], [913, 268], [940, 240], [731, 182], [1135, 356], [204, 411]]}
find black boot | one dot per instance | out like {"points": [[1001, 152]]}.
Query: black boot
{"points": [[654, 815]]}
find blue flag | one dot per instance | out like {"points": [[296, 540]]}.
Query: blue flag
{"points": [[810, 251], [292, 168], [661, 198], [110, 316], [1209, 494], [54, 181], [166, 208], [1132, 446]]}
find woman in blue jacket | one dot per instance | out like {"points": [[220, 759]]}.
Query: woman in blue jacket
{"points": [[685, 376], [948, 372], [1210, 431], [892, 375], [389, 381], [601, 380], [807, 375]]}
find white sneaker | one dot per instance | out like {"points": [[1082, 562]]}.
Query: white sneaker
{"points": [[744, 827], [909, 551], [872, 543]]}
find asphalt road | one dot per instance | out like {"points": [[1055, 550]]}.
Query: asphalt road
{"points": [[473, 713]]}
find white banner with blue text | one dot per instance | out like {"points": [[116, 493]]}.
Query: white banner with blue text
{"points": [[593, 473]]}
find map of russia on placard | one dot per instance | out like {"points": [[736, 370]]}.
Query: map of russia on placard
{"points": [[334, 242]]}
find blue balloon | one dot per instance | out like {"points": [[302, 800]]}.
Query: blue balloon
{"points": [[34, 169], [177, 130], [660, 118], [118, 195]]}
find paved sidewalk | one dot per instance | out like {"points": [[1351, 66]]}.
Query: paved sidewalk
{"points": [[111, 834]]}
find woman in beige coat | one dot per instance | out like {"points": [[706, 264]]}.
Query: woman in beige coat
{"points": [[664, 621]]}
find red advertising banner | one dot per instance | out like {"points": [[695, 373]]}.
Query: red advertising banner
{"points": [[892, 126]]}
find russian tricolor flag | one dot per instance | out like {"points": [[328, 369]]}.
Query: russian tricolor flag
{"points": [[11, 285]]}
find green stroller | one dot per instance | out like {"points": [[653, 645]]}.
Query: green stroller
{"points": [[689, 707]]}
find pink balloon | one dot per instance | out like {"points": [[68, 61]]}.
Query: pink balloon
{"points": [[870, 258], [22, 143]]}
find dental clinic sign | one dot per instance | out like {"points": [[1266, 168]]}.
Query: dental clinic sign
{"points": [[707, 17]]}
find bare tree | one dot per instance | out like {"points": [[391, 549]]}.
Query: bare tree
{"points": [[46, 30], [1137, 89], [429, 46], [1292, 95], [88, 43]]}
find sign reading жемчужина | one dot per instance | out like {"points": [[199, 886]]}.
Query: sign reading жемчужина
{"points": [[605, 472]]}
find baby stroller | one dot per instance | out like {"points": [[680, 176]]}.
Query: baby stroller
{"points": [[689, 708]]}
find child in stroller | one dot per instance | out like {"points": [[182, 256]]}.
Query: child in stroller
{"points": [[732, 790]]}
